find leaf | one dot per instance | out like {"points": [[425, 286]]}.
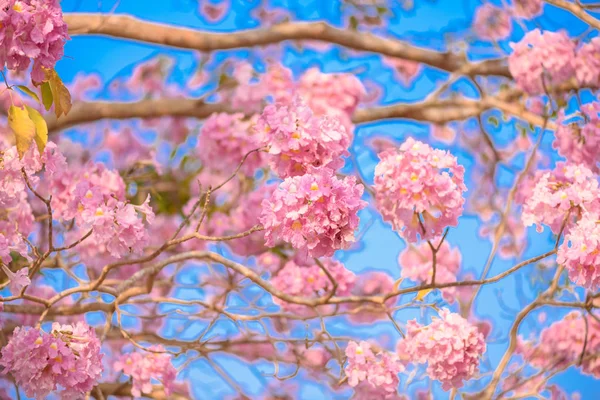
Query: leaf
{"points": [[47, 96], [397, 284], [41, 129], [29, 92], [22, 126], [353, 23], [421, 294], [60, 93], [494, 121]]}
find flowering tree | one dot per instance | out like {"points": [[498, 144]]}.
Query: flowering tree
{"points": [[176, 234]]}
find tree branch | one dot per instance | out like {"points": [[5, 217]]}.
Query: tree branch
{"points": [[127, 27]]}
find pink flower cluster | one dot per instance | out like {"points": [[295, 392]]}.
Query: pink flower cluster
{"points": [[579, 141], [379, 370], [416, 264], [491, 22], [541, 61], [146, 366], [373, 283], [580, 252], [316, 212], [561, 345], [419, 189], [224, 141], [450, 345], [31, 30], [569, 188], [297, 140], [69, 357], [308, 280], [527, 8]]}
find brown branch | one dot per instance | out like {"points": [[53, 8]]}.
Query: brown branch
{"points": [[577, 11], [127, 27]]}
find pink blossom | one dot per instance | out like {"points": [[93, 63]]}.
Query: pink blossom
{"points": [[377, 370], [587, 63], [450, 345], [528, 8], [69, 358], [372, 284], [32, 30], [416, 264], [406, 70], [569, 188], [330, 91], [443, 133], [542, 61], [142, 367], [419, 189], [17, 280], [297, 140], [83, 84], [316, 212], [311, 281], [491, 22], [579, 140], [224, 141], [580, 252], [213, 12]]}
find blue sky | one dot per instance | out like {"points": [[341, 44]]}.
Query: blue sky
{"points": [[427, 25]]}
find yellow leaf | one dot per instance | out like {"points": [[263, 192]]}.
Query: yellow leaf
{"points": [[29, 92], [46, 95], [22, 126], [397, 284], [60, 93], [41, 129], [421, 294]]}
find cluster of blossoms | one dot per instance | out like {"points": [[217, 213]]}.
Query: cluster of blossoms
{"points": [[527, 8], [146, 366], [316, 212], [69, 357], [450, 345], [569, 188], [579, 141], [542, 61], [298, 278], [580, 252], [419, 189], [491, 22], [372, 284], [562, 344], [31, 30], [417, 265], [297, 140], [225, 139], [379, 371]]}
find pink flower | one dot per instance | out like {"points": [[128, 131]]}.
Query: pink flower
{"points": [[143, 367], [310, 281], [579, 140], [491, 22], [416, 264], [316, 212], [450, 345], [541, 61], [377, 370], [406, 70], [31, 30], [419, 189], [297, 140], [330, 91], [528, 8], [372, 284], [587, 63], [580, 252], [569, 188], [213, 12], [225, 139], [17, 280], [69, 358]]}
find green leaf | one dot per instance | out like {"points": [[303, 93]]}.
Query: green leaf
{"points": [[47, 97], [41, 129], [23, 128], [29, 92], [60, 93], [494, 121], [353, 23]]}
